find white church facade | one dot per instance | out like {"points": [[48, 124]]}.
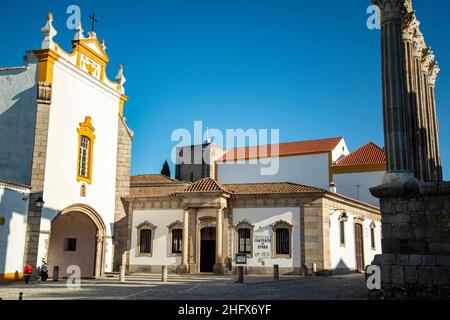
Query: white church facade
{"points": [[64, 135]]}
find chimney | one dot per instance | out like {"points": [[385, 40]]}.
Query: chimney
{"points": [[333, 187]]}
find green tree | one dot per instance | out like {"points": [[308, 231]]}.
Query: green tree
{"points": [[166, 169]]}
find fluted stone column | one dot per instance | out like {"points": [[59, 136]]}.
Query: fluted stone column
{"points": [[184, 267], [398, 151], [99, 270], [434, 71], [409, 27], [219, 267]]}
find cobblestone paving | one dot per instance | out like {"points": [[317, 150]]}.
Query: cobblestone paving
{"points": [[191, 287]]}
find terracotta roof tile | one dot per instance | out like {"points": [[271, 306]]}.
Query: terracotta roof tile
{"points": [[267, 188], [285, 149], [210, 185], [151, 179], [206, 185], [369, 154], [156, 192]]}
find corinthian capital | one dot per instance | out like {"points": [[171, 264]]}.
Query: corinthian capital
{"points": [[434, 71], [410, 26], [391, 10], [428, 59], [418, 44]]}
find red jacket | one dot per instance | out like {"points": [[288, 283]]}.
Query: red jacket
{"points": [[28, 270]]}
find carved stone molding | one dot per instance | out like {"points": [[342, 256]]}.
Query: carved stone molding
{"points": [[434, 71], [391, 10], [428, 59], [418, 44], [44, 94], [410, 26]]}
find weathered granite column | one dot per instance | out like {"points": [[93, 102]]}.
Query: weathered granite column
{"points": [[398, 149], [415, 263], [219, 266], [409, 27], [184, 267]]}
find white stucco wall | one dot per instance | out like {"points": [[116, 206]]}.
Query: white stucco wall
{"points": [[357, 185], [161, 219], [75, 96], [14, 209], [344, 257], [262, 219], [311, 170], [18, 94]]}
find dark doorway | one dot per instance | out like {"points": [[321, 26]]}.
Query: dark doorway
{"points": [[207, 249], [359, 248]]}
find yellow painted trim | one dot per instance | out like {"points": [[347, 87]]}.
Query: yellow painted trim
{"points": [[359, 169], [46, 61], [86, 129], [11, 277], [123, 99]]}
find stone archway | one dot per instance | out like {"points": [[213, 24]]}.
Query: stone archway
{"points": [[77, 238]]}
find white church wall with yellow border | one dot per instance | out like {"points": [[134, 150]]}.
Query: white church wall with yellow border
{"points": [[13, 223]]}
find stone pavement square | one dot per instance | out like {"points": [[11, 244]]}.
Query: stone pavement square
{"points": [[195, 287]]}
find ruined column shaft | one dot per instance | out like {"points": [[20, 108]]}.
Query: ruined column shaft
{"points": [[398, 150]]}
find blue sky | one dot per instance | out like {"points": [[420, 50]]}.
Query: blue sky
{"points": [[308, 68]]}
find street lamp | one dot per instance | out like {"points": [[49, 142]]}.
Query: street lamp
{"points": [[344, 217], [40, 202]]}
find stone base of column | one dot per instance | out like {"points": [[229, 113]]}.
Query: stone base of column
{"points": [[413, 277], [192, 267], [220, 269], [415, 263], [182, 269]]}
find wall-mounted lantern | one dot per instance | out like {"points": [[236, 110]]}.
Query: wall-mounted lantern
{"points": [[344, 217], [40, 202]]}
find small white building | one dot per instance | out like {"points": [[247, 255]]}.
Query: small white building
{"points": [[303, 162], [201, 226], [13, 224]]}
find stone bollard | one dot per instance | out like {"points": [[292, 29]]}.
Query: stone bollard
{"points": [[240, 273], [55, 274], [164, 274], [276, 272], [314, 269], [122, 274]]}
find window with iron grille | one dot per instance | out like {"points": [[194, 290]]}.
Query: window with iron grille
{"points": [[70, 245], [282, 241], [244, 241], [177, 241], [146, 241]]}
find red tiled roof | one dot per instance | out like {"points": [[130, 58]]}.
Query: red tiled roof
{"points": [[156, 191], [369, 154], [209, 185], [151, 179], [206, 185], [285, 149], [267, 188]]}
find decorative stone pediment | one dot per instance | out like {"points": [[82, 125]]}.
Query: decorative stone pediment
{"points": [[146, 225]]}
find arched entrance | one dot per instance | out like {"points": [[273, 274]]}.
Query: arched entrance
{"points": [[77, 238]]}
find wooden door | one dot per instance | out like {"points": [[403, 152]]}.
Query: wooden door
{"points": [[359, 248]]}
